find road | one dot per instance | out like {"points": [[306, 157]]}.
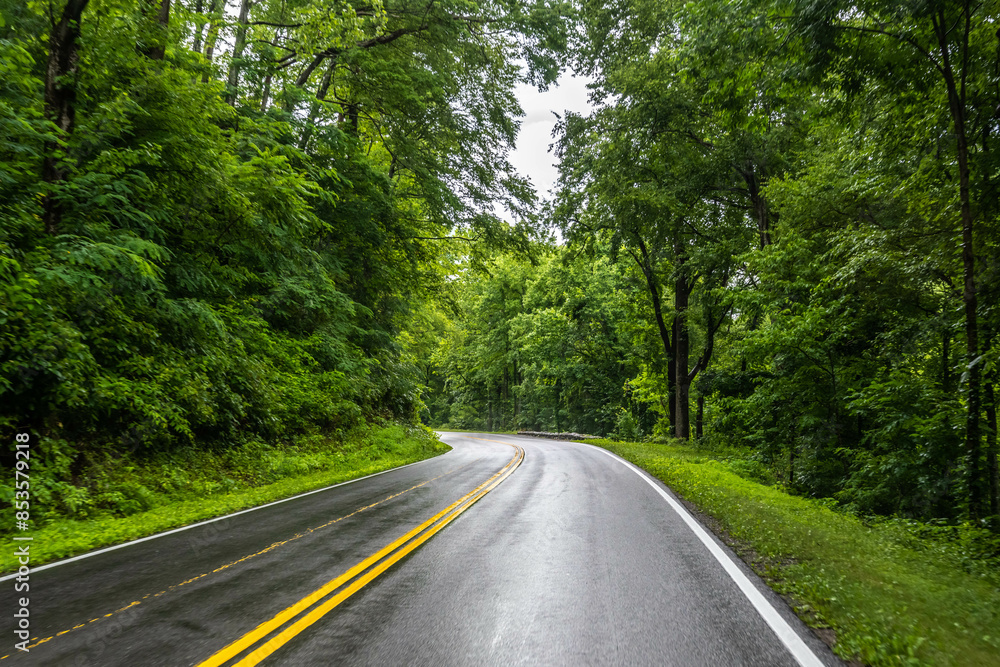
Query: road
{"points": [[505, 551]]}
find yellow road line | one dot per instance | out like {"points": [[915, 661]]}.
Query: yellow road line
{"points": [[266, 628], [288, 634], [245, 558]]}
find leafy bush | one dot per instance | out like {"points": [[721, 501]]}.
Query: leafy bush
{"points": [[626, 428], [201, 290]]}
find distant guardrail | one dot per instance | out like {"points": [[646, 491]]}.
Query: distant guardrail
{"points": [[560, 436]]}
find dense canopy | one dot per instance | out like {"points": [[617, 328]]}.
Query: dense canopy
{"points": [[230, 222]]}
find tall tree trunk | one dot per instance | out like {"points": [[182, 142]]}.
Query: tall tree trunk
{"points": [[652, 286], [60, 102], [685, 376], [759, 203], [158, 49], [957, 106], [216, 11], [239, 45], [352, 118], [199, 9], [505, 395], [682, 343], [265, 93]]}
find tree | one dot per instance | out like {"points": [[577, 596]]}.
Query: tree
{"points": [[702, 133], [950, 44]]}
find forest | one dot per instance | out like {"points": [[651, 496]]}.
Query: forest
{"points": [[225, 223], [779, 231]]}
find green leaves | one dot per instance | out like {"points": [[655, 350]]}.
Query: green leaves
{"points": [[237, 262], [337, 26], [536, 347]]}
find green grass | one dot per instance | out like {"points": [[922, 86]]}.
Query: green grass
{"points": [[895, 592], [164, 493]]}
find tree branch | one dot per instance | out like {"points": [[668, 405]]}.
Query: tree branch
{"points": [[899, 37]]}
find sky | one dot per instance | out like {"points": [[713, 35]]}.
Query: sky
{"points": [[531, 156]]}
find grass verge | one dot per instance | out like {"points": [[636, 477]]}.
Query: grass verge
{"points": [[894, 592], [158, 494]]}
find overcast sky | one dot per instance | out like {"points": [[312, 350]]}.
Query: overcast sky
{"points": [[531, 157]]}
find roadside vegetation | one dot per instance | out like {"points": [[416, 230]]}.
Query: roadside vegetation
{"points": [[892, 591], [121, 498]]}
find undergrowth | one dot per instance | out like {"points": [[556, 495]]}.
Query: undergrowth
{"points": [[116, 499]]}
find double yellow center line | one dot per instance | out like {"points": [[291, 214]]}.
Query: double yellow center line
{"points": [[296, 618]]}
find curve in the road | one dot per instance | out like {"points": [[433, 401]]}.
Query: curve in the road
{"points": [[572, 561], [358, 576]]}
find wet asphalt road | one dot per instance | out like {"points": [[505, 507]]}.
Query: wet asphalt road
{"points": [[574, 559]]}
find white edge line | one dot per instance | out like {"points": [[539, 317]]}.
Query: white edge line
{"points": [[798, 648], [207, 521]]}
